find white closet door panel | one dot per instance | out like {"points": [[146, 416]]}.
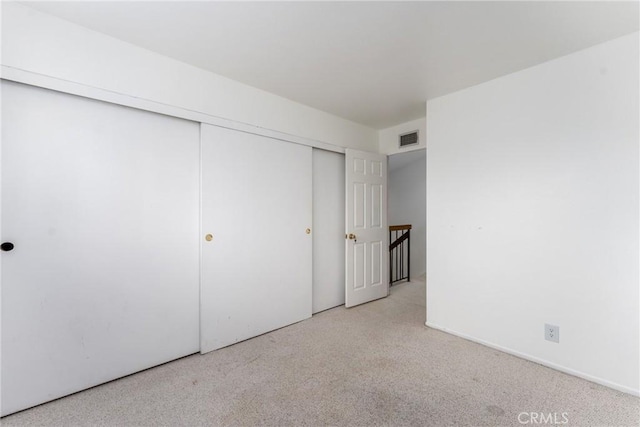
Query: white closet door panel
{"points": [[102, 204], [256, 203], [328, 229]]}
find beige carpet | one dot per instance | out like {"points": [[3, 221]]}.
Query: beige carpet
{"points": [[376, 364]]}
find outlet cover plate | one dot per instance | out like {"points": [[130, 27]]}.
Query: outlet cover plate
{"points": [[552, 333]]}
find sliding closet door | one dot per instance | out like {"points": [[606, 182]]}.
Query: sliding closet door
{"points": [[255, 237], [328, 229], [101, 204]]}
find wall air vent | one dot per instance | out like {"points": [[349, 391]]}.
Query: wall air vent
{"points": [[409, 139]]}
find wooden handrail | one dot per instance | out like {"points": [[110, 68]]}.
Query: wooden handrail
{"points": [[399, 227], [399, 240]]}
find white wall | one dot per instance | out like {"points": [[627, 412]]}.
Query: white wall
{"points": [[388, 138], [407, 202], [532, 213], [43, 45]]}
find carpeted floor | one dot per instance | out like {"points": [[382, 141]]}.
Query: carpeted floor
{"points": [[376, 364]]}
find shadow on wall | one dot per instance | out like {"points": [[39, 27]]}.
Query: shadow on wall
{"points": [[407, 201]]}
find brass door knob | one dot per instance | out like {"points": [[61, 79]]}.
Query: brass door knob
{"points": [[208, 237], [308, 231], [352, 236]]}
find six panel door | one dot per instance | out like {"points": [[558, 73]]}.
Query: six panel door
{"points": [[367, 236]]}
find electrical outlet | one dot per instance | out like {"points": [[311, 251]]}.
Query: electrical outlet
{"points": [[551, 333]]}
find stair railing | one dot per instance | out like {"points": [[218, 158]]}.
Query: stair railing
{"points": [[399, 253]]}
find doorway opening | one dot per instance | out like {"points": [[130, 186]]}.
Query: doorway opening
{"points": [[407, 207]]}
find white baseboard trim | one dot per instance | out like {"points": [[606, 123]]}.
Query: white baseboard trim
{"points": [[597, 380]]}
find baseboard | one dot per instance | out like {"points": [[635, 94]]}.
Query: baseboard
{"points": [[597, 380]]}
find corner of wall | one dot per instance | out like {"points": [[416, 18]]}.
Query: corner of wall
{"points": [[388, 138]]}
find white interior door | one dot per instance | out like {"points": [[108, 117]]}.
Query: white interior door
{"points": [[102, 205], [328, 229], [367, 249], [256, 205]]}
